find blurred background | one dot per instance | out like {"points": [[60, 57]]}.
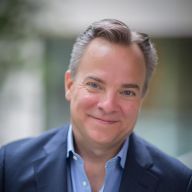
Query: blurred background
{"points": [[36, 38]]}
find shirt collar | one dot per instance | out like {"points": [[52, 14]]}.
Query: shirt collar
{"points": [[70, 146], [122, 154]]}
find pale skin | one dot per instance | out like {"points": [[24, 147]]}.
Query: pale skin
{"points": [[105, 98]]}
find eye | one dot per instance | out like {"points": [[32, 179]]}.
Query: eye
{"points": [[128, 93], [93, 85]]}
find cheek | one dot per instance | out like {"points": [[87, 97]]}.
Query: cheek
{"points": [[83, 99], [131, 109]]}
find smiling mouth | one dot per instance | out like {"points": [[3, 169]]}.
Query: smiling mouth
{"points": [[106, 121]]}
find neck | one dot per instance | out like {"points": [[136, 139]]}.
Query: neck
{"points": [[95, 159], [96, 153]]}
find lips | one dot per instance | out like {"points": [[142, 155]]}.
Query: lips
{"points": [[103, 120]]}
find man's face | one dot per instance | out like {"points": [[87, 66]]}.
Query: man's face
{"points": [[106, 94]]}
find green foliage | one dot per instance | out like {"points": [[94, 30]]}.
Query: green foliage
{"points": [[15, 17], [16, 27]]}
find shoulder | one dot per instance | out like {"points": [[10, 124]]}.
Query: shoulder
{"points": [[19, 159], [147, 152], [31, 147], [167, 169]]}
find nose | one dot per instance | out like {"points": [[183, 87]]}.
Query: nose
{"points": [[108, 103]]}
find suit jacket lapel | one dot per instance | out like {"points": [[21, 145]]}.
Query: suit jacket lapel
{"points": [[51, 165], [137, 176]]}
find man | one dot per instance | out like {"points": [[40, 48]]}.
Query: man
{"points": [[107, 80]]}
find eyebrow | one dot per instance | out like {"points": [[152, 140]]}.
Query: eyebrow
{"points": [[128, 85], [133, 86], [95, 79]]}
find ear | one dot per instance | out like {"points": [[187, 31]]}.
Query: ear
{"points": [[68, 85]]}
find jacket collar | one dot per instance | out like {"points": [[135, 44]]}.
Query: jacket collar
{"points": [[138, 175]]}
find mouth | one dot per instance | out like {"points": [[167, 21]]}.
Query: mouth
{"points": [[103, 120]]}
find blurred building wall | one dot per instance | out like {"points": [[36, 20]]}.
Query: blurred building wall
{"points": [[22, 91]]}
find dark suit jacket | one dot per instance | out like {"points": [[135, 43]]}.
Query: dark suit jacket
{"points": [[40, 165]]}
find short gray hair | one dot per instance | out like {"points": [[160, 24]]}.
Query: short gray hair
{"points": [[118, 32]]}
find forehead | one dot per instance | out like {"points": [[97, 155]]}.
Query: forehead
{"points": [[100, 47], [110, 60]]}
